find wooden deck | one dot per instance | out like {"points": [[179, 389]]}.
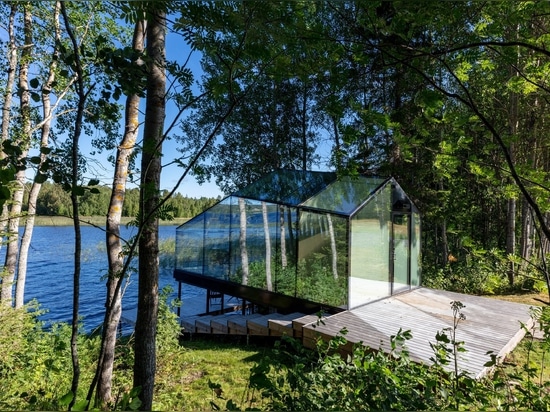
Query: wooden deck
{"points": [[490, 325], [190, 307]]}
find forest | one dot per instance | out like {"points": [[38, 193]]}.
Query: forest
{"points": [[54, 201], [101, 99]]}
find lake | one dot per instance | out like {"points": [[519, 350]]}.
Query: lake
{"points": [[51, 268]]}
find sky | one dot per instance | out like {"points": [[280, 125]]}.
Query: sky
{"points": [[100, 168], [176, 49]]}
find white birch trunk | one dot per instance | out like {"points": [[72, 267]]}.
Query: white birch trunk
{"points": [[36, 186], [242, 242], [267, 236], [334, 252]]}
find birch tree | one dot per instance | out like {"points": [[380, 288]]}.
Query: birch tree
{"points": [[23, 142], [44, 126], [115, 251], [146, 322]]}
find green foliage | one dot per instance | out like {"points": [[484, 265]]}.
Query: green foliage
{"points": [[35, 372], [478, 273], [296, 378], [168, 327]]}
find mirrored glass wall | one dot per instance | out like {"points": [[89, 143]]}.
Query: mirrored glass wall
{"points": [[341, 243]]}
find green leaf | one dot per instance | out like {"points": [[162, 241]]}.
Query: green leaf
{"points": [[135, 391], [40, 178], [66, 399], [78, 190], [135, 404], [80, 405]]}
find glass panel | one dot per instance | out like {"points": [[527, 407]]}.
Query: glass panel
{"points": [[284, 258], [322, 259], [370, 246], [290, 187], [400, 201], [216, 240], [247, 230], [415, 250], [400, 252], [345, 195], [189, 245]]}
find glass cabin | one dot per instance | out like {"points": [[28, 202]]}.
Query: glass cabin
{"points": [[301, 240]]}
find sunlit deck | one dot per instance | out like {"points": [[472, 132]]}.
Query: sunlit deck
{"points": [[490, 325]]}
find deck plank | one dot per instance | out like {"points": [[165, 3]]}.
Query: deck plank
{"points": [[237, 324], [490, 325]]}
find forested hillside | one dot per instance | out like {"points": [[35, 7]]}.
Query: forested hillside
{"points": [[54, 201]]}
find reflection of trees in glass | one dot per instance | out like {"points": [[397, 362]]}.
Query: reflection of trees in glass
{"points": [[334, 252], [284, 260], [242, 242], [323, 255], [316, 281], [267, 248]]}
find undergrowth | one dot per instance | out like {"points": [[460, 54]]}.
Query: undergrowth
{"points": [[35, 371]]}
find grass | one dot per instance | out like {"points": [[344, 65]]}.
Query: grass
{"points": [[529, 353], [188, 381], [206, 371], [528, 298]]}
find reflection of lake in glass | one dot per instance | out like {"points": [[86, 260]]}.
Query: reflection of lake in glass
{"points": [[51, 268]]}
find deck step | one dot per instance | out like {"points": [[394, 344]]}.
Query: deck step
{"points": [[188, 323], [260, 326], [284, 325], [219, 324], [299, 323], [203, 325], [237, 324]]}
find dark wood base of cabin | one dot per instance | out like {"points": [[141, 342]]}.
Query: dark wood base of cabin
{"points": [[249, 295]]}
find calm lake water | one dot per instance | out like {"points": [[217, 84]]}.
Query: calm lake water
{"points": [[51, 268]]}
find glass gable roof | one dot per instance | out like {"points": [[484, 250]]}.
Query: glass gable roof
{"points": [[317, 190], [345, 195], [289, 187]]}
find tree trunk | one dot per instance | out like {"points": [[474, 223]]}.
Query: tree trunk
{"points": [[284, 258], [511, 238], [334, 252], [36, 186], [545, 241], [527, 234], [113, 303], [6, 107], [511, 206], [12, 249], [267, 235], [80, 91], [304, 129], [444, 243], [242, 241], [146, 323]]}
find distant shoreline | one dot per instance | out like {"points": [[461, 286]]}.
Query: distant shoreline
{"points": [[94, 220]]}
